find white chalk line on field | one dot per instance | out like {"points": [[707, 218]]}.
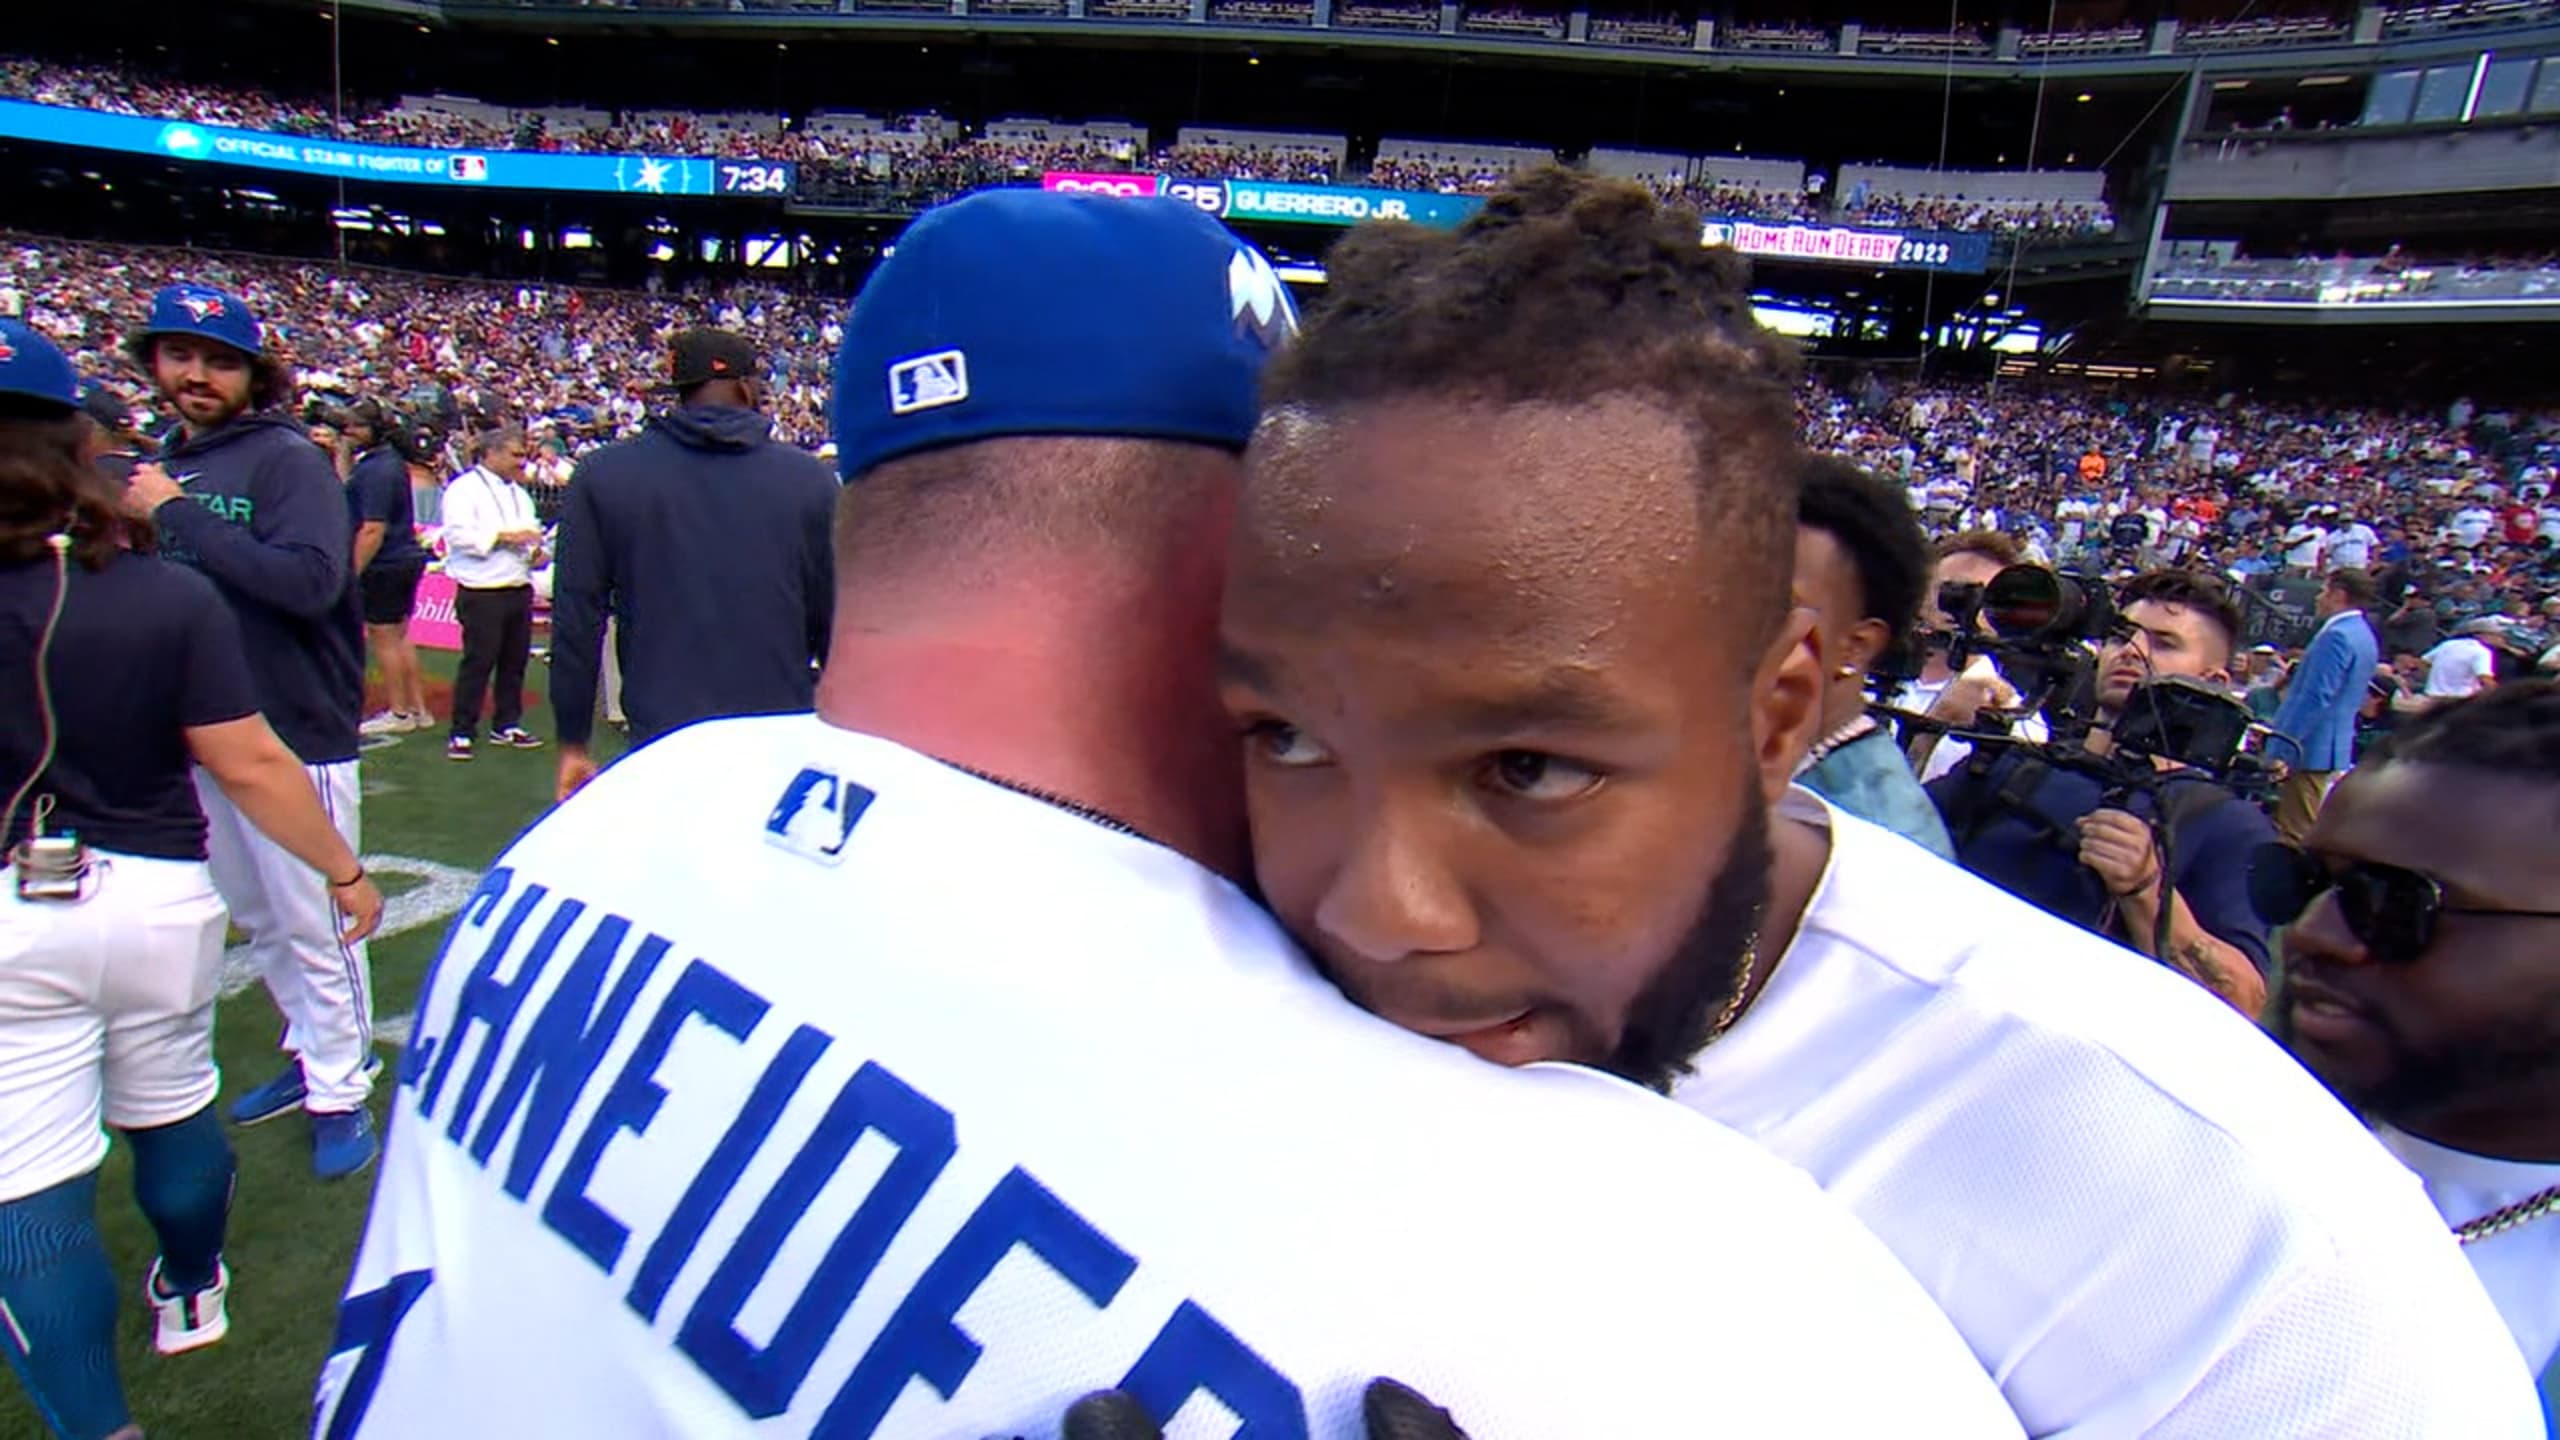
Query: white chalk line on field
{"points": [[440, 891]]}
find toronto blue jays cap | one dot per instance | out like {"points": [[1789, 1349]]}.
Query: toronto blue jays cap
{"points": [[207, 314], [31, 366], [1028, 312]]}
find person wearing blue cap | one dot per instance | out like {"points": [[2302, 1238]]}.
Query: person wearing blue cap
{"points": [[117, 670], [975, 924], [241, 494]]}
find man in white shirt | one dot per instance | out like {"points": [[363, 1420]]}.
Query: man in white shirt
{"points": [[492, 544], [2302, 545], [1508, 641], [2419, 982], [2463, 665], [925, 1039], [2350, 545], [2470, 525]]}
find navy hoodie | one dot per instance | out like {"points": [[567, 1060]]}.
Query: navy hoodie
{"points": [[707, 541], [266, 520]]}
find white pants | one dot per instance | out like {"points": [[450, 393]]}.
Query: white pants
{"points": [[106, 1014], [325, 989]]}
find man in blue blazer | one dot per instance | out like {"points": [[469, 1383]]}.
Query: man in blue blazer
{"points": [[2316, 726]]}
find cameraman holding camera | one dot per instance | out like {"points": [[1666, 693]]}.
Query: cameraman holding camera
{"points": [[2072, 845]]}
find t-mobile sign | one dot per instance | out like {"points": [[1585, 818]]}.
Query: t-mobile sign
{"points": [[1125, 187]]}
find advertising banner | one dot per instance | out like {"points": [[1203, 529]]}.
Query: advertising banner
{"points": [[1344, 204], [1845, 245], [401, 164], [1273, 200], [1125, 187]]}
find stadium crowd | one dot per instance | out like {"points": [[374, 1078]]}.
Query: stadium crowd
{"points": [[2034, 219], [576, 364], [920, 160], [2455, 510], [2459, 502]]}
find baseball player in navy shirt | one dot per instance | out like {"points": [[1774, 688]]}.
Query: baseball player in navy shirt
{"points": [[261, 513], [110, 930]]}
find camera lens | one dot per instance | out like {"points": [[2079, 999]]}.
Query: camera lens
{"points": [[2026, 602]]}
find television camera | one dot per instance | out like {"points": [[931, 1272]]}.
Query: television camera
{"points": [[2043, 630]]}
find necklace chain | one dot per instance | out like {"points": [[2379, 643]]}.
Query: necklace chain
{"points": [[2499, 1222], [1741, 987], [1081, 811]]}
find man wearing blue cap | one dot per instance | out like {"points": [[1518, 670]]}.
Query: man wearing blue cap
{"points": [[265, 518], [799, 1058]]}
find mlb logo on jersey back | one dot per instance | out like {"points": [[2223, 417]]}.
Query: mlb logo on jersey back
{"points": [[928, 382], [816, 815]]}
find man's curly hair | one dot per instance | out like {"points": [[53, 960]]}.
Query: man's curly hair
{"points": [[1567, 288]]}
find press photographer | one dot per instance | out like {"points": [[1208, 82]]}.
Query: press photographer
{"points": [[2070, 827]]}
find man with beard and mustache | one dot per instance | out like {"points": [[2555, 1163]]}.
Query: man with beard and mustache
{"points": [[260, 511], [983, 893], [2418, 978], [1508, 642]]}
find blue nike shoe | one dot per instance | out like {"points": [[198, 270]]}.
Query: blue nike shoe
{"points": [[342, 1144], [278, 1097]]}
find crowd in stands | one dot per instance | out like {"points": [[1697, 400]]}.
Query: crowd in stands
{"points": [[1738, 202], [2457, 504], [1372, 15], [2396, 275], [2104, 40], [2454, 509], [1655, 31], [576, 363], [1518, 20], [908, 165], [1433, 173], [1791, 36], [1955, 40], [2029, 219]]}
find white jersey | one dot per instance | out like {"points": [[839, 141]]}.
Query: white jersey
{"points": [[2144, 1216], [789, 1083], [2520, 1267]]}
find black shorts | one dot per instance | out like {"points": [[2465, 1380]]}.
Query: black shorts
{"points": [[390, 595]]}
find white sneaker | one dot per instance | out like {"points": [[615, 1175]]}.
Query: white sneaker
{"points": [[190, 1321], [389, 722]]}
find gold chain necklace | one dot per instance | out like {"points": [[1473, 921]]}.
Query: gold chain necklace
{"points": [[2500, 1221], [1741, 988]]}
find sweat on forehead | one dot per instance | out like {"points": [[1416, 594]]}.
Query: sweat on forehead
{"points": [[1417, 492]]}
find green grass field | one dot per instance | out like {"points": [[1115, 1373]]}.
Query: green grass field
{"points": [[293, 1237]]}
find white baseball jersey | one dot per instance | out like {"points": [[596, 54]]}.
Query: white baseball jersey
{"points": [[790, 1083], [2144, 1216], [2520, 1268]]}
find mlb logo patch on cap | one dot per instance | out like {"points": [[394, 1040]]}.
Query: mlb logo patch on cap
{"points": [[928, 382], [1161, 335]]}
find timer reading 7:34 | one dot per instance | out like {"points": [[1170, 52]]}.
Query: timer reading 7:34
{"points": [[756, 177]]}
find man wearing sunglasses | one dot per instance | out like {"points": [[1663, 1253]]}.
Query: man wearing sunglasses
{"points": [[2419, 983]]}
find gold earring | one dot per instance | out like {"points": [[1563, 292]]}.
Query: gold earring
{"points": [[1845, 671]]}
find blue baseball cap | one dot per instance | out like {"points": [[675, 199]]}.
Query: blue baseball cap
{"points": [[1028, 312], [207, 314], [33, 367]]}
